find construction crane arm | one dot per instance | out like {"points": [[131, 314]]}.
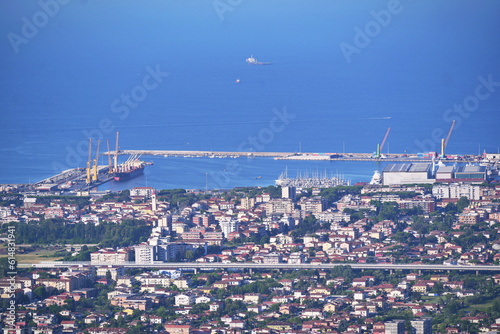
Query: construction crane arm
{"points": [[385, 139], [89, 163], [96, 162], [449, 133]]}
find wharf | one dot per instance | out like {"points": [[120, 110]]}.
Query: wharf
{"points": [[73, 180], [276, 155]]}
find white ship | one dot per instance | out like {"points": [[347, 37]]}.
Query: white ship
{"points": [[254, 61], [376, 178]]}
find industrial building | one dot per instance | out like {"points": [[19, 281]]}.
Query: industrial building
{"points": [[419, 173], [471, 173], [466, 173], [408, 173]]}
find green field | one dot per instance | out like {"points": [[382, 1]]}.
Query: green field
{"points": [[483, 307], [36, 256]]}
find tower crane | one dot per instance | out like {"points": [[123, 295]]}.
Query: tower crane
{"points": [[110, 160], [444, 142], [381, 145], [89, 162], [115, 167], [96, 162]]}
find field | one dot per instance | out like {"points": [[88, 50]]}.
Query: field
{"points": [[485, 306], [35, 256]]}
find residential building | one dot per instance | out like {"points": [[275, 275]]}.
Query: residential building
{"points": [[394, 327], [422, 326]]}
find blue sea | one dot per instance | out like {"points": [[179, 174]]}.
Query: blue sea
{"points": [[163, 73]]}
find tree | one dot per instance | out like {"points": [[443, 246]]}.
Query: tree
{"points": [[189, 255], [4, 266], [40, 293], [69, 304], [199, 308], [462, 203]]}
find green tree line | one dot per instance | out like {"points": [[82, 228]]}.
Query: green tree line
{"points": [[56, 231]]}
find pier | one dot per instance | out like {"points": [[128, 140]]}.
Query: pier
{"points": [[280, 155], [73, 180], [76, 181]]}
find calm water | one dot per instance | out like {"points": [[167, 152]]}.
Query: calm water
{"points": [[69, 77]]}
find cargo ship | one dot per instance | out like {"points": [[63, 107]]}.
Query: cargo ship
{"points": [[128, 171], [131, 168], [253, 61]]}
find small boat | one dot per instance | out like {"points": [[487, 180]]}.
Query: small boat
{"points": [[254, 61]]}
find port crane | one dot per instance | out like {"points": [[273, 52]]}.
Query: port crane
{"points": [[89, 162], [96, 163], [380, 146], [115, 161], [444, 142], [110, 160]]}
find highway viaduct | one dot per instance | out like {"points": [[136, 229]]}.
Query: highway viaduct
{"points": [[283, 266]]}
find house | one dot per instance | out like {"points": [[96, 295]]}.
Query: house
{"points": [[280, 326], [184, 299], [178, 329], [412, 277], [107, 330], [312, 313], [420, 287], [237, 324], [252, 298], [202, 299], [359, 282], [215, 306], [94, 318]]}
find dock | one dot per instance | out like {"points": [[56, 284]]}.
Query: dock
{"points": [[276, 155], [73, 180]]}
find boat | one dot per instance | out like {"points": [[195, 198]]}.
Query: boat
{"points": [[126, 173], [376, 178], [131, 168], [315, 180], [253, 61]]}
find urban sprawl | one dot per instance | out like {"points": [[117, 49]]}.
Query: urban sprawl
{"points": [[119, 262]]}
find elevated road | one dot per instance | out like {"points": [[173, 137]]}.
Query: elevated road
{"points": [[284, 266]]}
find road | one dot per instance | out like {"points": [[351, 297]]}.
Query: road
{"points": [[285, 266]]}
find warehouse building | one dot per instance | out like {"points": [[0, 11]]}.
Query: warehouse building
{"points": [[407, 173]]}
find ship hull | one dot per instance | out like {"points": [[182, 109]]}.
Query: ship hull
{"points": [[123, 176]]}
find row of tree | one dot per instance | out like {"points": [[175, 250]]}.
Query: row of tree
{"points": [[57, 231]]}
